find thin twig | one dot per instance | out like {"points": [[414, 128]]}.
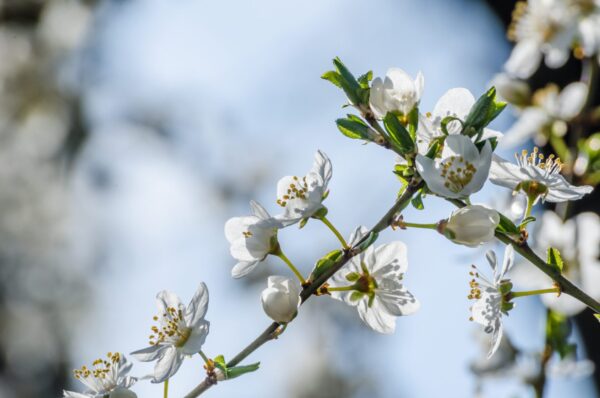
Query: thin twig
{"points": [[271, 332]]}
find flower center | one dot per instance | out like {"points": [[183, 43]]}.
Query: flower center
{"points": [[296, 190], [457, 173], [101, 368], [550, 165], [171, 329]]}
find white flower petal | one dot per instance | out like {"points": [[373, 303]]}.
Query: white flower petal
{"points": [[571, 100], [148, 354], [524, 59], [392, 256], [243, 268], [196, 309], [376, 317], [197, 338], [167, 365], [455, 102]]}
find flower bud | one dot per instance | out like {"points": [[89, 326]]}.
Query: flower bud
{"points": [[398, 92], [515, 91], [122, 393], [281, 298], [471, 225]]}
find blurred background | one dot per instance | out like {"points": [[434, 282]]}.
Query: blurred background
{"points": [[131, 130]]}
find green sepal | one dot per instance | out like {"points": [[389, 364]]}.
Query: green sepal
{"points": [[352, 277], [492, 140], [371, 238], [485, 109], [554, 259], [447, 120], [558, 330], [354, 127], [399, 136], [355, 296], [506, 306], [505, 287], [325, 263], [322, 212], [302, 223], [526, 221], [417, 200]]}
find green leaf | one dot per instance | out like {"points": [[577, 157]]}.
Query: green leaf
{"points": [[368, 241], [400, 137], [597, 317], [434, 147], [506, 225], [558, 330], [325, 263], [554, 259], [364, 80], [486, 109], [348, 82], [333, 77], [417, 201], [237, 371], [355, 129]]}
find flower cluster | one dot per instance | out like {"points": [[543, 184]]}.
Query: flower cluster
{"points": [[446, 153], [548, 29]]}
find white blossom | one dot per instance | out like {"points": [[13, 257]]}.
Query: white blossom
{"points": [[536, 174], [587, 14], [181, 332], [490, 304], [460, 171], [377, 290], [252, 238], [281, 298], [456, 102], [471, 225], [549, 113], [104, 377], [302, 197], [578, 241], [398, 92], [542, 29]]}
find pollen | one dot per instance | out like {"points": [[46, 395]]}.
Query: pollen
{"points": [[550, 165], [101, 369], [296, 190], [171, 329], [457, 173]]}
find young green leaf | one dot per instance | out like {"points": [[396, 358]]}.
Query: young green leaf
{"points": [[554, 259], [400, 137], [353, 128]]}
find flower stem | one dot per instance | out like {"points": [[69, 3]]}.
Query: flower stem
{"points": [[166, 389], [204, 357], [335, 231], [534, 292], [418, 225], [292, 267], [340, 289]]}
